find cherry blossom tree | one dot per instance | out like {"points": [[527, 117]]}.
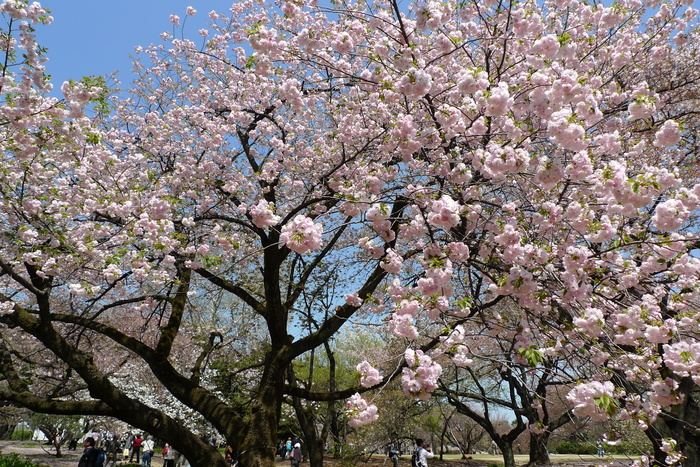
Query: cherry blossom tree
{"points": [[447, 155], [525, 384]]}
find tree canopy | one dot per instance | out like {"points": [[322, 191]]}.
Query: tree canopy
{"points": [[450, 161]]}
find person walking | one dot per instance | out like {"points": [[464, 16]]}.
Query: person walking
{"points": [[296, 455], [601, 451], [168, 456], [393, 454], [89, 456], [288, 448], [113, 451]]}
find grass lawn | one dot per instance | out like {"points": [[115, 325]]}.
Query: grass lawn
{"points": [[520, 459]]}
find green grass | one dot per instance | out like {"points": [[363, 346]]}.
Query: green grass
{"points": [[522, 459]]}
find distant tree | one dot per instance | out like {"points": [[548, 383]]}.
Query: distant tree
{"points": [[10, 417], [58, 429]]}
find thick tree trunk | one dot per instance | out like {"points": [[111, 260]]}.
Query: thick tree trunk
{"points": [[539, 454], [679, 423], [316, 453], [508, 454], [208, 459], [199, 453], [258, 447], [259, 444]]}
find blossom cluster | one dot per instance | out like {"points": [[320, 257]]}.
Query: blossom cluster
{"points": [[595, 399], [302, 234], [360, 412], [420, 376]]}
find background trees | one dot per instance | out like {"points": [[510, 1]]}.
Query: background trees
{"points": [[442, 160], [58, 430]]}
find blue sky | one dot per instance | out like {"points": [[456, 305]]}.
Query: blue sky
{"points": [[96, 37]]}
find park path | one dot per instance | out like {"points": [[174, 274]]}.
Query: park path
{"points": [[39, 453], [45, 455]]}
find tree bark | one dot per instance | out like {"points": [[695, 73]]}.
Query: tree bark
{"points": [[508, 454], [681, 423], [314, 443], [539, 453], [259, 445]]}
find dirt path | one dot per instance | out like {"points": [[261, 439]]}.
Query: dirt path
{"points": [[40, 454]]}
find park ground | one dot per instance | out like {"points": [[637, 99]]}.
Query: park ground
{"points": [[44, 455]]}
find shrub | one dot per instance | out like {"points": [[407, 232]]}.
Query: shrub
{"points": [[628, 448], [575, 448], [351, 456], [22, 435], [14, 460]]}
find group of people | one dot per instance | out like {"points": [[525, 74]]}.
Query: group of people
{"points": [[291, 449], [134, 448], [138, 448], [141, 449]]}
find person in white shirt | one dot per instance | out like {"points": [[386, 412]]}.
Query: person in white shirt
{"points": [[424, 453], [148, 447]]}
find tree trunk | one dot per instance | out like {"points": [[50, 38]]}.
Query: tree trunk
{"points": [[679, 422], [539, 454], [258, 447], [443, 435], [259, 444], [316, 453], [508, 454], [208, 459], [314, 443], [57, 445]]}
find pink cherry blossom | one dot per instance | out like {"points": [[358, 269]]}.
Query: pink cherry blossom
{"points": [[444, 212], [360, 412], [392, 262], [670, 215], [421, 374], [263, 215], [353, 299], [369, 376], [302, 234], [586, 398], [668, 135]]}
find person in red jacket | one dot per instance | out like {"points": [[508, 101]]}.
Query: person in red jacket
{"points": [[136, 449]]}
